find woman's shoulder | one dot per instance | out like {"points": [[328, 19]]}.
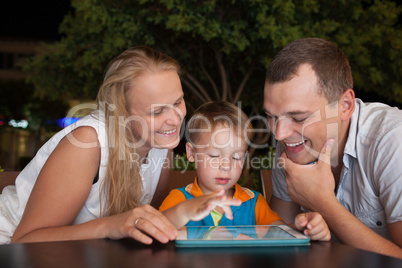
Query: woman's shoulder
{"points": [[89, 129], [85, 134], [83, 137]]}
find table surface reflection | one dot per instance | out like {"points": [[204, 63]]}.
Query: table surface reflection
{"points": [[130, 253]]}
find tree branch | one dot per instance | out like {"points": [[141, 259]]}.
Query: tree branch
{"points": [[215, 88], [194, 90], [199, 87], [218, 56], [243, 82]]}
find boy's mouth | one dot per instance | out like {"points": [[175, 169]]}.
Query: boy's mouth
{"points": [[222, 181]]}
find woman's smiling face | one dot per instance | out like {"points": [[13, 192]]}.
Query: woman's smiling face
{"points": [[157, 109]]}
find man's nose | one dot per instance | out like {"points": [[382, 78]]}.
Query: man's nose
{"points": [[282, 129]]}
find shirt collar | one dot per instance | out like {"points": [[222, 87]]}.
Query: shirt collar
{"points": [[241, 193], [350, 146]]}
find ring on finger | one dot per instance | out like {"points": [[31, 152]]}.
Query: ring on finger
{"points": [[136, 221]]}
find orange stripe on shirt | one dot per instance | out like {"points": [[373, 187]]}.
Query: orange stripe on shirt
{"points": [[175, 197], [264, 215]]}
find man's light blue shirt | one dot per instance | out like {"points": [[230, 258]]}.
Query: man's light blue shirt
{"points": [[371, 178]]}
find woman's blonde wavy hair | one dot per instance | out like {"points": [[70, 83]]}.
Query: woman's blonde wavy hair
{"points": [[122, 185]]}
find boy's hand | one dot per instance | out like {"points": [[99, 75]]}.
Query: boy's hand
{"points": [[198, 208], [313, 225]]}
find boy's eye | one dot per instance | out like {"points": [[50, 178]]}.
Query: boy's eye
{"points": [[237, 157]]}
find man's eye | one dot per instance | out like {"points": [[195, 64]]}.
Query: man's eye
{"points": [[271, 117], [157, 112], [299, 120]]}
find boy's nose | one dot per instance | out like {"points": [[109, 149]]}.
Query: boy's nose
{"points": [[225, 164]]}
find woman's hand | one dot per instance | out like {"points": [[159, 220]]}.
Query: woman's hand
{"points": [[141, 224]]}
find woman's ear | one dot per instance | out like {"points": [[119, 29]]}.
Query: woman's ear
{"points": [[190, 152], [347, 104]]}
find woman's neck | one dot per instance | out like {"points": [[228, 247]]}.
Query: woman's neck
{"points": [[142, 154]]}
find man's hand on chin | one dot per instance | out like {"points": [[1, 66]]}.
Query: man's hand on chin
{"points": [[310, 185]]}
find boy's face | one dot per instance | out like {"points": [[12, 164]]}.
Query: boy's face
{"points": [[219, 157]]}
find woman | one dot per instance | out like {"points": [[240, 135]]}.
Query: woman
{"points": [[91, 179]]}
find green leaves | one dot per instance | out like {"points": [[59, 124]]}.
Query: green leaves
{"points": [[223, 46]]}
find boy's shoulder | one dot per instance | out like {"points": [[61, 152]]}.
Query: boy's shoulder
{"points": [[244, 194]]}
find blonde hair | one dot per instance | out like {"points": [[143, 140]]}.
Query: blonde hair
{"points": [[211, 114], [122, 185]]}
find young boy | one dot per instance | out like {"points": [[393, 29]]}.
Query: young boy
{"points": [[218, 137]]}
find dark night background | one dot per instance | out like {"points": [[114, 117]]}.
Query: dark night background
{"points": [[41, 20], [32, 19]]}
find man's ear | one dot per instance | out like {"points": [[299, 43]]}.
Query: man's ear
{"points": [[347, 104], [190, 152]]}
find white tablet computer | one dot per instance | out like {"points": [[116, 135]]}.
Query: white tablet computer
{"points": [[241, 236]]}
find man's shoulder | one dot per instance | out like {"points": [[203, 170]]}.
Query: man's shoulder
{"points": [[375, 120]]}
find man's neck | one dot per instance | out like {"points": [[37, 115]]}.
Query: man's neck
{"points": [[343, 136]]}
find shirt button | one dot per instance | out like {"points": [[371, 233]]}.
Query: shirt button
{"points": [[379, 223]]}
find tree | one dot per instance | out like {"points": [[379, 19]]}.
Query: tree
{"points": [[224, 46]]}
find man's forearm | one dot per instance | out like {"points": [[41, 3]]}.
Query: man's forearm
{"points": [[349, 230]]}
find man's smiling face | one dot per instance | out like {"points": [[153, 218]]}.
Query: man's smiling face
{"points": [[299, 117]]}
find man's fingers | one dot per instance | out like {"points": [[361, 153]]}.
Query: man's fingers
{"points": [[325, 155], [284, 162]]}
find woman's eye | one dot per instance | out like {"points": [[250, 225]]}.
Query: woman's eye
{"points": [[213, 156]]}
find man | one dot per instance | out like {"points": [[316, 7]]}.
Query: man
{"points": [[338, 156]]}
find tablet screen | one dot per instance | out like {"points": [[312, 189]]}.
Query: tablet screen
{"points": [[240, 235]]}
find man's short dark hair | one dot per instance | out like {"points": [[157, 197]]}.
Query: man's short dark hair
{"points": [[327, 60]]}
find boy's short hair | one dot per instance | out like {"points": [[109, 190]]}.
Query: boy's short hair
{"points": [[211, 114]]}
